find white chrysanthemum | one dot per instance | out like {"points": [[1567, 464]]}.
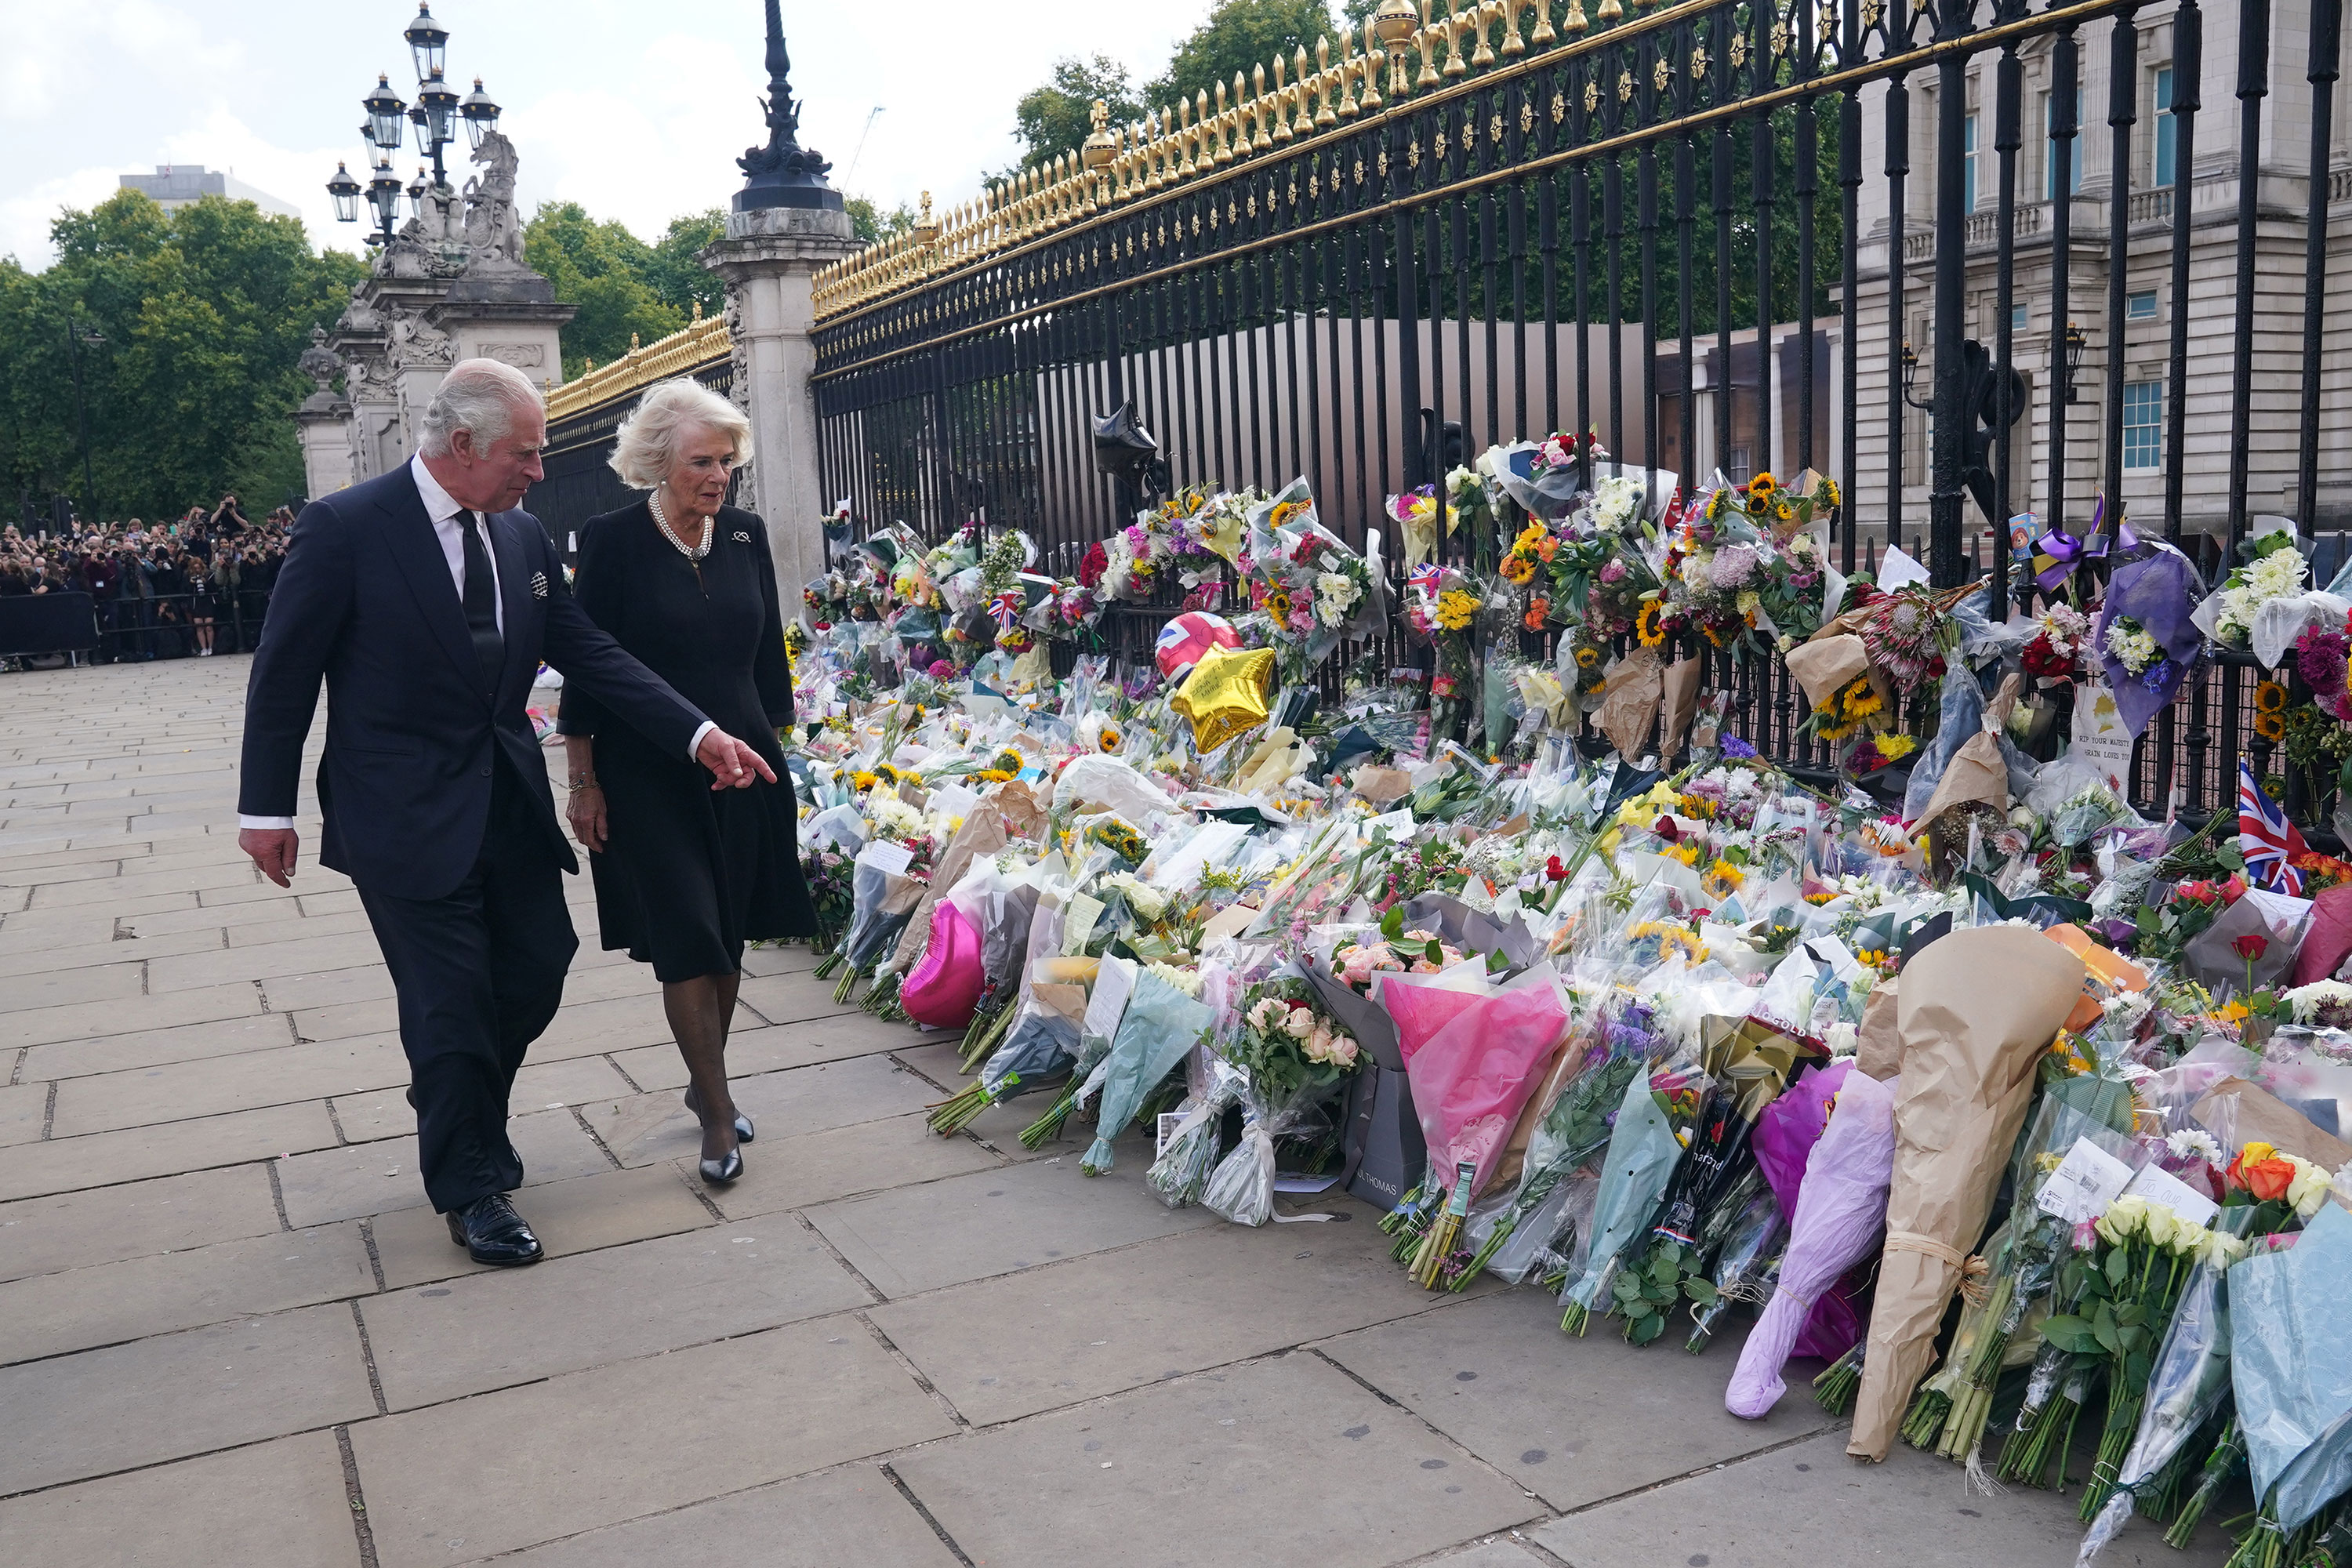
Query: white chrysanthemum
{"points": [[2194, 1143], [2307, 999]]}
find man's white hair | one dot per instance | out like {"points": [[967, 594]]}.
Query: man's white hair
{"points": [[478, 396], [647, 448]]}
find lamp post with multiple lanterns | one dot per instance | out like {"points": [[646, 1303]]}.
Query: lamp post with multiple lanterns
{"points": [[434, 117]]}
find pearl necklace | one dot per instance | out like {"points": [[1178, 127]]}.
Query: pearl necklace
{"points": [[661, 520]]}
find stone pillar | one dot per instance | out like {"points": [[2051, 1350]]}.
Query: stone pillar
{"points": [[325, 425], [768, 259]]}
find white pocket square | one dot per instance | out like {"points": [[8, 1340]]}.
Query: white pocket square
{"points": [[538, 585]]}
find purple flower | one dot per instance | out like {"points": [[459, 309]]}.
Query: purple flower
{"points": [[1732, 567], [2319, 659], [1613, 573], [1734, 747]]}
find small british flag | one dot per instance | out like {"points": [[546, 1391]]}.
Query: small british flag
{"points": [[2268, 839]]}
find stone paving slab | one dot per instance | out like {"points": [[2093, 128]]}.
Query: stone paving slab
{"points": [[700, 1423], [120, 1014], [581, 1215], [1100, 1325], [1807, 1504], [50, 1314], [850, 1515], [273, 1505], [108, 1159], [154, 1047], [645, 1128], [1281, 1463], [380, 1176], [993, 1222], [119, 951], [791, 1170], [23, 1111], [249, 1080], [1572, 1433], [77, 1229], [489, 1331], [176, 1395], [751, 1051]]}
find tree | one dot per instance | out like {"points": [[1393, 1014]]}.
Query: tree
{"points": [[868, 222], [607, 274], [1243, 35], [676, 271], [201, 313], [1055, 119]]}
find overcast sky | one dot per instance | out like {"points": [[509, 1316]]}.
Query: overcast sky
{"points": [[636, 109]]}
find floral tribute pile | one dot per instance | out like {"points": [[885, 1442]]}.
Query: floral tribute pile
{"points": [[2010, 1117]]}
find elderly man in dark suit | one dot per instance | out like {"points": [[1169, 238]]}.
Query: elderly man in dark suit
{"points": [[426, 599]]}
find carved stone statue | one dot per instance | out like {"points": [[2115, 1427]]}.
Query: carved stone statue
{"points": [[739, 391], [320, 364], [493, 234], [359, 316], [413, 340]]}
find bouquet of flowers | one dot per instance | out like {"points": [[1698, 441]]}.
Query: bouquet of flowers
{"points": [[1162, 1020], [2061, 639], [1642, 1153], [1313, 589], [2274, 571], [1440, 607], [829, 871]]}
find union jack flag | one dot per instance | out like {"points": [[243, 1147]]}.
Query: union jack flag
{"points": [[1426, 578], [2267, 838]]}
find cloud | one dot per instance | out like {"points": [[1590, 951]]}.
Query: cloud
{"points": [[25, 216]]}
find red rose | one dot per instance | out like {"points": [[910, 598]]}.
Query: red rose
{"points": [[1554, 870], [2251, 946], [1091, 569]]}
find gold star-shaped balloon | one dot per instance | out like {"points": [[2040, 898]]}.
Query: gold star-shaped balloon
{"points": [[1226, 694]]}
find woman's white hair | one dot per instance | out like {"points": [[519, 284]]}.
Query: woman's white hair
{"points": [[478, 396], [647, 448]]}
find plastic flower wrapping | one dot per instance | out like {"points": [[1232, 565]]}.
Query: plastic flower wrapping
{"points": [[1473, 901]]}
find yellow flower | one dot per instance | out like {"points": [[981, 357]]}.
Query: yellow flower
{"points": [[862, 780], [1530, 537], [1109, 740], [1284, 510], [1685, 853], [2270, 726], [1895, 748], [992, 775], [1518, 568], [1277, 605], [1587, 656], [1647, 624], [1456, 609], [1861, 700], [2269, 697], [1726, 877]]}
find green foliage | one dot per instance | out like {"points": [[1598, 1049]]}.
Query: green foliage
{"points": [[1241, 35], [676, 274], [1055, 119], [869, 223], [607, 274], [204, 314]]}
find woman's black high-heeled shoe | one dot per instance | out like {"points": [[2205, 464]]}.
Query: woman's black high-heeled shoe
{"points": [[744, 1131], [720, 1173]]}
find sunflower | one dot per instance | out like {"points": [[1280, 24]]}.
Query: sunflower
{"points": [[1647, 624], [1277, 605], [1722, 879], [2269, 697], [862, 780], [1007, 762], [1784, 510], [1587, 655], [1861, 700], [2270, 726], [1108, 739], [992, 775], [1284, 510], [1761, 486]]}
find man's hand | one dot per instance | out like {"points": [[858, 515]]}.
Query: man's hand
{"points": [[272, 848], [586, 809], [733, 764]]}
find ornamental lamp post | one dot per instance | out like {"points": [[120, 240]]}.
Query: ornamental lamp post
{"points": [[428, 41], [2076, 342], [383, 194], [385, 113], [480, 114], [416, 189], [435, 119], [346, 194]]}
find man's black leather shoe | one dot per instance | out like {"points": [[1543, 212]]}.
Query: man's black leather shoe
{"points": [[491, 1232]]}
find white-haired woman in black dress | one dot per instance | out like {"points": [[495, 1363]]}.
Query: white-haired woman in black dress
{"points": [[685, 874]]}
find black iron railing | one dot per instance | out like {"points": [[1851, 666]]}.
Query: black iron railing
{"points": [[1720, 236]]}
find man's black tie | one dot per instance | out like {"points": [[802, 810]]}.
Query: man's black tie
{"points": [[481, 604]]}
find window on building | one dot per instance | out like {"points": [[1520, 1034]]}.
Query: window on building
{"points": [[2140, 305], [2059, 154], [1968, 164], [2167, 130], [2143, 423], [2020, 319]]}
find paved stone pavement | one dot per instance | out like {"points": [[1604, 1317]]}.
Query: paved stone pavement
{"points": [[231, 1333]]}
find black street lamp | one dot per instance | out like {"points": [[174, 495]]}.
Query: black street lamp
{"points": [[480, 113], [2076, 342], [384, 196], [78, 337], [385, 112], [416, 189], [346, 192], [428, 41]]}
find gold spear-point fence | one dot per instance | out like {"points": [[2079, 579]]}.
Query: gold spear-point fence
{"points": [[1267, 110], [691, 347]]}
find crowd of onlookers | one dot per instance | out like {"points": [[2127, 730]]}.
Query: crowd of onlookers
{"points": [[191, 587]]}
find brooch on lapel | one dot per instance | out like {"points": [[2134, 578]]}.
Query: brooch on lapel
{"points": [[741, 536], [538, 585]]}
